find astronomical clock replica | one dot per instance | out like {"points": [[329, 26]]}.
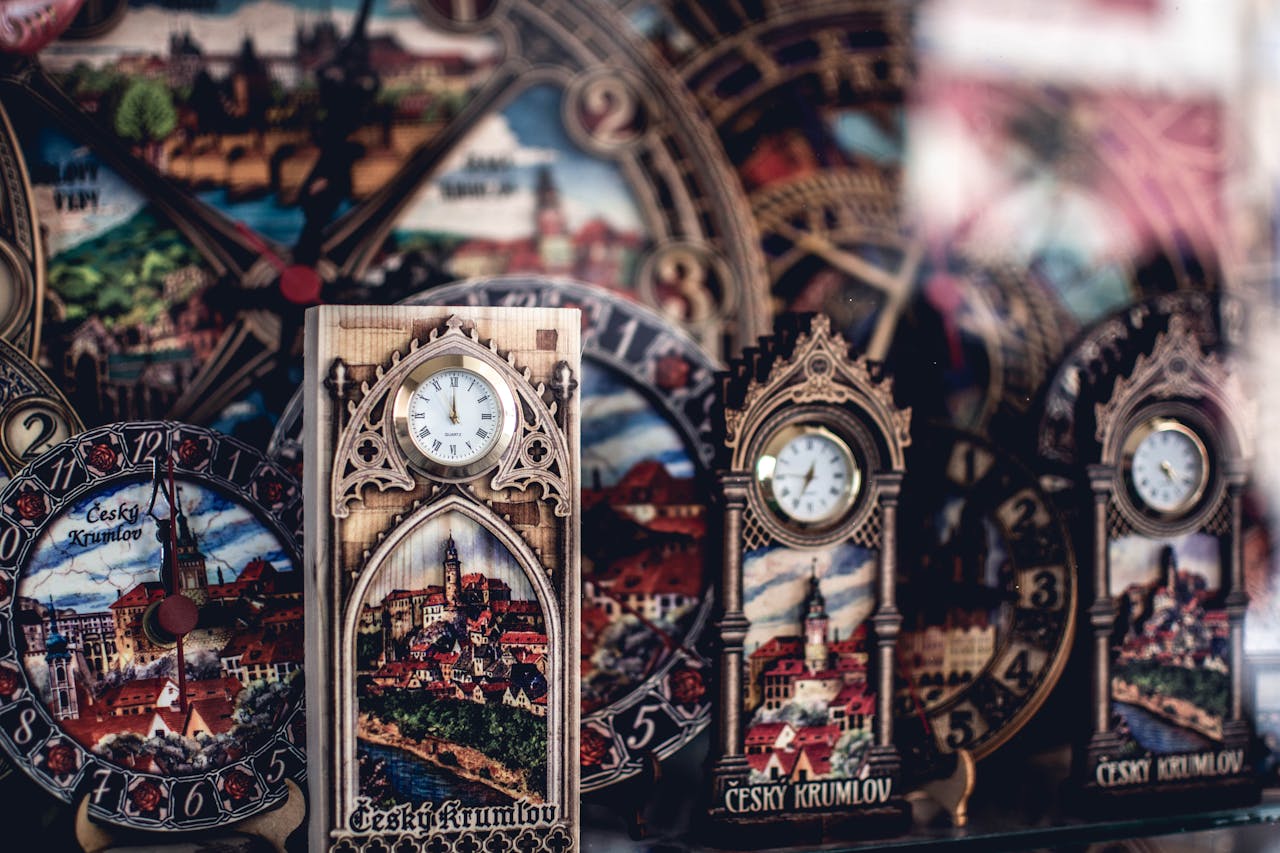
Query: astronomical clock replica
{"points": [[809, 478], [1155, 409], [443, 507]]}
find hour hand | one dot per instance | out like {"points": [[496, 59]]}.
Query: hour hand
{"points": [[453, 408]]}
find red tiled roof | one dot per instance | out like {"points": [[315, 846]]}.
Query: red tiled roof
{"points": [[140, 596], [786, 666], [778, 647], [522, 638], [765, 733]]}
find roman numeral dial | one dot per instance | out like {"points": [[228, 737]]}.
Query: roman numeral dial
{"points": [[809, 475]]}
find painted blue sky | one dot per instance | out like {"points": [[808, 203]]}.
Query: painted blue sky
{"points": [[1136, 559], [419, 561], [117, 199], [88, 577], [146, 29], [620, 428], [527, 133], [775, 581]]}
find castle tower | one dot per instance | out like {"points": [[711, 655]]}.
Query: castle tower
{"points": [[816, 653], [452, 574], [555, 249], [62, 672], [192, 578]]}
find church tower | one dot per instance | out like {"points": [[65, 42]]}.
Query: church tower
{"points": [[452, 574], [555, 249], [62, 672], [815, 626], [193, 578]]}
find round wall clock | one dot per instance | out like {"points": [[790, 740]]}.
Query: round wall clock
{"points": [[228, 168], [988, 589], [646, 395], [1166, 465], [808, 475], [95, 700]]}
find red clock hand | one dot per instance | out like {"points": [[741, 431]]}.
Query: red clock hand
{"points": [[299, 283]]}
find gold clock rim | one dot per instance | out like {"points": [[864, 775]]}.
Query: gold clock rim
{"points": [[1143, 431], [764, 480], [506, 428]]}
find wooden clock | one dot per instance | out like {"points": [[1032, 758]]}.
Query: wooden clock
{"points": [[442, 497], [1173, 439], [809, 477]]}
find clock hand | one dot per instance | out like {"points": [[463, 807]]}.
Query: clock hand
{"points": [[453, 408], [1167, 467], [808, 477]]}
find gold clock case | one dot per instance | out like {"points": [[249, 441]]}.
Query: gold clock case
{"points": [[767, 460], [1148, 427], [506, 426]]}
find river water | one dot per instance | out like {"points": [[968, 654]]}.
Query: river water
{"points": [[1158, 734], [421, 781]]}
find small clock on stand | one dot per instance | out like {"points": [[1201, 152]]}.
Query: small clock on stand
{"points": [[1168, 608], [812, 460]]}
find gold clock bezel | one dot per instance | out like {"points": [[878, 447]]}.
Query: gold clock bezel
{"points": [[1143, 431], [767, 460], [505, 429]]}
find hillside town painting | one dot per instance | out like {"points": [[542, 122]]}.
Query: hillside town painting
{"points": [[518, 196], [642, 539], [232, 98], [108, 673], [452, 659], [809, 701], [1171, 643]]}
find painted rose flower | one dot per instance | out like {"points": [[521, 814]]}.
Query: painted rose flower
{"points": [[61, 759], [687, 687], [272, 490], [238, 784], [594, 748], [8, 681], [145, 796], [190, 452], [671, 372], [103, 457], [30, 506]]}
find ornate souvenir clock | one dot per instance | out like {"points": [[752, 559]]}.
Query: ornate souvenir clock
{"points": [[152, 648], [1172, 441], [646, 407], [382, 151], [809, 475], [442, 494], [988, 592]]}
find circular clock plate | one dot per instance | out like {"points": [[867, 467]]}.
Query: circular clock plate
{"points": [[93, 700], [1166, 466], [987, 587]]}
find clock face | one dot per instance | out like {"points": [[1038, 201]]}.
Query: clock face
{"points": [[92, 697], [809, 475], [454, 416], [1169, 466]]}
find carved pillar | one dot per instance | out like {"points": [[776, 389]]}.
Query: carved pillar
{"points": [[732, 626], [1102, 611], [887, 620], [1237, 599]]}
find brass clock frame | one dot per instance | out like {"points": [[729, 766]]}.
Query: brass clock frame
{"points": [[778, 439], [506, 427], [1147, 427]]}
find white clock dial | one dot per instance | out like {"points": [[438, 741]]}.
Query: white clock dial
{"points": [[454, 416], [811, 475], [1169, 467]]}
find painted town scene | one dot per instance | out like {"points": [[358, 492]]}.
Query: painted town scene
{"points": [[1171, 645], [642, 539], [958, 570], [129, 319], [518, 196], [452, 663], [234, 99], [109, 673], [809, 700]]}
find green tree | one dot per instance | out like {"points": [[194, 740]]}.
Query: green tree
{"points": [[146, 114]]}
